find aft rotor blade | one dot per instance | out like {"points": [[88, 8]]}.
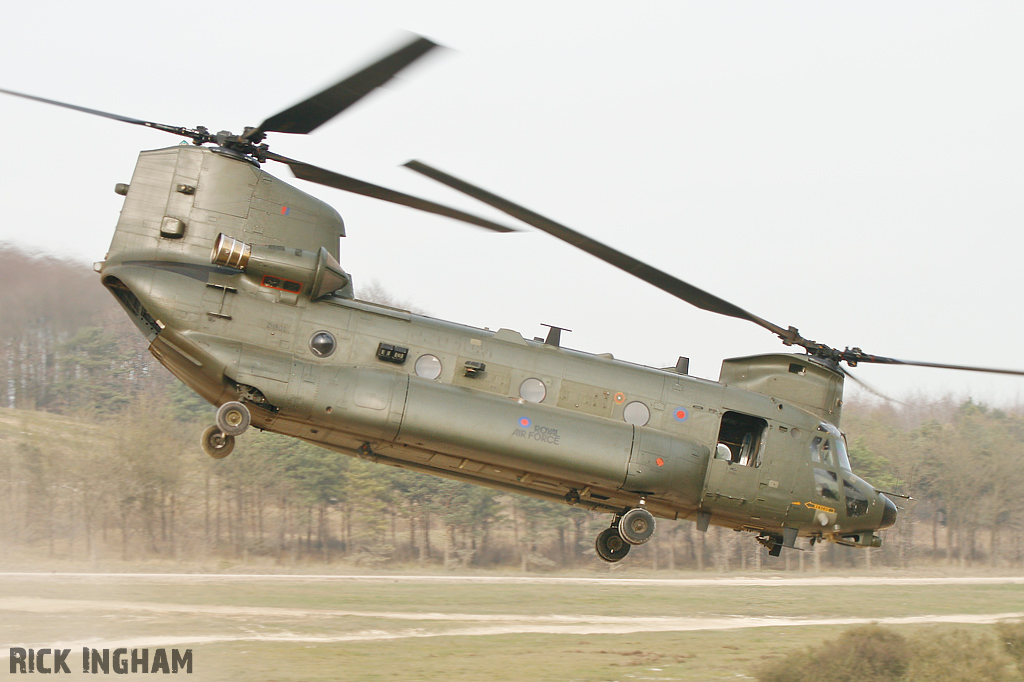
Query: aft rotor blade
{"points": [[311, 113], [322, 176], [651, 275], [105, 114], [855, 357]]}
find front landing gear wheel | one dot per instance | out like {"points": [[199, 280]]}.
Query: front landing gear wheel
{"points": [[233, 418], [610, 546], [636, 526], [216, 443]]}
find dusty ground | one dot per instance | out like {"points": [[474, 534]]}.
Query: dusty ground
{"points": [[207, 612], [521, 579], [448, 623], [435, 624]]}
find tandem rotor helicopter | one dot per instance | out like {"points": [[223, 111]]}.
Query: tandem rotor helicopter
{"points": [[234, 277]]}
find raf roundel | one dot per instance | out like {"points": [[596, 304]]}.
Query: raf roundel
{"points": [[680, 414], [524, 422]]}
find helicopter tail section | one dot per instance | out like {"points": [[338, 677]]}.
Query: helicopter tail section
{"points": [[181, 199]]}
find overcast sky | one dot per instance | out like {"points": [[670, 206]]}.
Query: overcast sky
{"points": [[851, 169]]}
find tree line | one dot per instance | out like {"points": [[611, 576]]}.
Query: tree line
{"points": [[99, 461]]}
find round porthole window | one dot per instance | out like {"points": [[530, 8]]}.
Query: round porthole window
{"points": [[428, 367], [322, 344], [637, 414], [533, 391]]}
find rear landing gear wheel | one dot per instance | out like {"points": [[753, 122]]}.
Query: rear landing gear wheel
{"points": [[216, 443], [233, 418], [636, 526], [610, 546]]}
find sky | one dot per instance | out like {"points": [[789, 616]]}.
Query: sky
{"points": [[850, 169]]}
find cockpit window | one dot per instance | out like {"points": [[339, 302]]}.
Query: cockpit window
{"points": [[816, 448], [826, 484], [856, 500], [833, 449], [841, 454]]}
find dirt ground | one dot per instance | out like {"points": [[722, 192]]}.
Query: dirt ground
{"points": [[206, 611]]}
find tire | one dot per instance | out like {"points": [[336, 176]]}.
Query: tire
{"points": [[636, 526], [233, 418], [610, 546], [216, 443]]}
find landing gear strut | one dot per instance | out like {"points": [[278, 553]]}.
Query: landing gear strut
{"points": [[772, 543], [775, 543], [233, 419], [634, 527]]}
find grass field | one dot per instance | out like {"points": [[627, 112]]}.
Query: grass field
{"points": [[393, 628]]}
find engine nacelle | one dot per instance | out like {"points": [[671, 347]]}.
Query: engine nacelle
{"points": [[313, 273]]}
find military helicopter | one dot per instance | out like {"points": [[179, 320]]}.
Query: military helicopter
{"points": [[234, 278]]}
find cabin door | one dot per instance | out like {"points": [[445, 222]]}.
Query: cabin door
{"points": [[778, 471], [733, 473]]}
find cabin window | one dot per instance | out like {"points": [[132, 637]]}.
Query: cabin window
{"points": [[743, 436], [826, 484], [533, 391], [322, 344], [856, 500], [637, 414], [428, 366]]}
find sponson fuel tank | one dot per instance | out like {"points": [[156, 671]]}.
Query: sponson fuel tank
{"points": [[429, 416]]}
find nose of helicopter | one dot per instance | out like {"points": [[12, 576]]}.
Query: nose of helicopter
{"points": [[888, 514]]}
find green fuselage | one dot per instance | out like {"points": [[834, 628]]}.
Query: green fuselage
{"points": [[484, 406]]}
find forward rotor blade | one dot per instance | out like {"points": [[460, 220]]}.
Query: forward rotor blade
{"points": [[857, 356], [322, 176], [866, 386], [651, 275], [105, 114], [311, 113], [676, 287]]}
